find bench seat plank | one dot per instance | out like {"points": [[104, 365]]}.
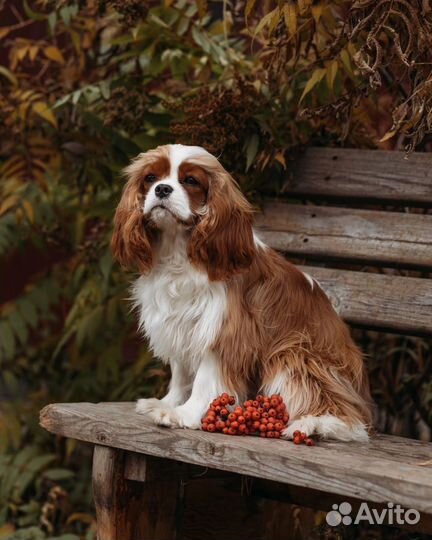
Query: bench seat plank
{"points": [[389, 238], [386, 469], [369, 175], [394, 303]]}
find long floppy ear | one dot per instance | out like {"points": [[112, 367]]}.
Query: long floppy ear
{"points": [[130, 243], [222, 241]]}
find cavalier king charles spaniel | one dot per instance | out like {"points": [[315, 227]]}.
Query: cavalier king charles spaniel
{"points": [[225, 311]]}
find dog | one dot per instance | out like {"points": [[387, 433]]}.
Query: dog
{"points": [[224, 310]]}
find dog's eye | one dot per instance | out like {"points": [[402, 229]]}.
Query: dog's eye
{"points": [[150, 178], [190, 180]]}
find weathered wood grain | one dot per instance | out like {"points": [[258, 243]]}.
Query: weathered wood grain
{"points": [[374, 175], [372, 471], [127, 510], [394, 303], [322, 232]]}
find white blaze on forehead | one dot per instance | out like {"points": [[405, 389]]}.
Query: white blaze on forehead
{"points": [[180, 153]]}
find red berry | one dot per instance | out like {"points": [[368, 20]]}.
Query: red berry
{"points": [[241, 419], [225, 430], [235, 424], [224, 411], [232, 417], [256, 415], [255, 403], [211, 428], [256, 424], [270, 426], [232, 431], [263, 434], [263, 428], [297, 440], [220, 425], [279, 426], [264, 415], [260, 398], [266, 405], [272, 412], [303, 436], [274, 402], [309, 442], [276, 435], [242, 428], [247, 403], [296, 433], [270, 434], [285, 418], [264, 421], [231, 400], [238, 411], [204, 426], [224, 401], [247, 415]]}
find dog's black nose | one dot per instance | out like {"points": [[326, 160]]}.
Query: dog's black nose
{"points": [[163, 190]]}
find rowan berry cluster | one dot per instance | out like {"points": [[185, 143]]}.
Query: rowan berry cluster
{"points": [[265, 416]]}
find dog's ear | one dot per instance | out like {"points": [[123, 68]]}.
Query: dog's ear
{"points": [[222, 241], [130, 243]]}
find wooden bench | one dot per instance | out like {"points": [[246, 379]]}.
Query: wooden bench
{"points": [[142, 474]]}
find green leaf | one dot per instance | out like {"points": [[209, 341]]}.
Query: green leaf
{"points": [[7, 340], [19, 326], [58, 474], [28, 311], [317, 77], [251, 150], [34, 15]]}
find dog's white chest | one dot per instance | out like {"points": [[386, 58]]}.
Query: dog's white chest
{"points": [[181, 312]]}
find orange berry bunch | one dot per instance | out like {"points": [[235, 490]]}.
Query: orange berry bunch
{"points": [[264, 416], [301, 438]]}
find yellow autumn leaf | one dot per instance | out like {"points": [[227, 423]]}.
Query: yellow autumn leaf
{"points": [[290, 16], [346, 61], [265, 21], [303, 5], [28, 211], [317, 77], [250, 4], [6, 531], [33, 52], [21, 52], [44, 112], [54, 53], [317, 12], [4, 32], [331, 73], [7, 204], [391, 133], [202, 7]]}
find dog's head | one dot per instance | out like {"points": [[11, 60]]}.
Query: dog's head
{"points": [[183, 186]]}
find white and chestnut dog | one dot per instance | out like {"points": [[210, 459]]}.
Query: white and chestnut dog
{"points": [[224, 310]]}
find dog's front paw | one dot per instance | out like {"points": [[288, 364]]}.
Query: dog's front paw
{"points": [[177, 417], [145, 406]]}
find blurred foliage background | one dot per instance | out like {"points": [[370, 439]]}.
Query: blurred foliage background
{"points": [[87, 84]]}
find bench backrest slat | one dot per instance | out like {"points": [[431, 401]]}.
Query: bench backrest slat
{"points": [[364, 175], [327, 233], [394, 303]]}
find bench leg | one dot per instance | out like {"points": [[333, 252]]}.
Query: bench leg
{"points": [[131, 510]]}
